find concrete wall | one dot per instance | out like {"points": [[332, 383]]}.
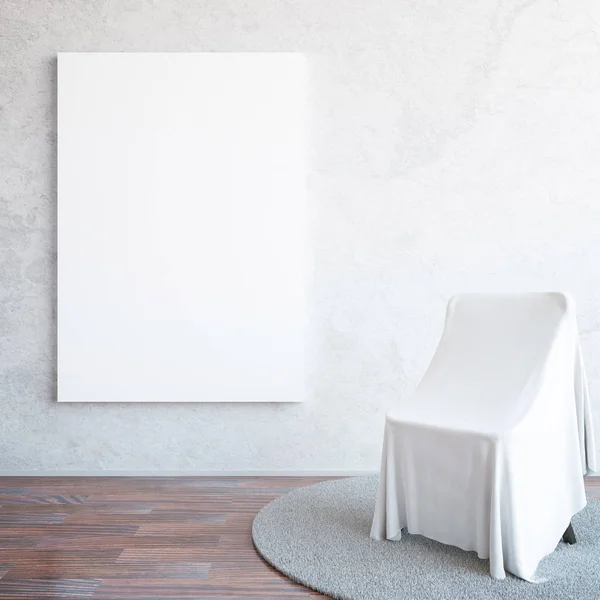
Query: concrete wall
{"points": [[454, 146]]}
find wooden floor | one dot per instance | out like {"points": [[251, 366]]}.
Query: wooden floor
{"points": [[145, 537], [138, 537]]}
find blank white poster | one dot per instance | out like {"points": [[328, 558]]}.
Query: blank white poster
{"points": [[181, 227]]}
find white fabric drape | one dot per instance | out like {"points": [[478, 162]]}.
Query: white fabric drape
{"points": [[489, 454]]}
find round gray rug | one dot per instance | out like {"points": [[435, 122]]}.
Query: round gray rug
{"points": [[319, 536]]}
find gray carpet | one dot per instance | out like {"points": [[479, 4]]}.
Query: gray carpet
{"points": [[319, 536]]}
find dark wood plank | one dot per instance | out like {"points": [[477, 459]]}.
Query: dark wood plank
{"points": [[52, 564], [73, 529], [101, 508], [35, 589], [165, 517], [66, 542], [31, 518], [18, 542]]}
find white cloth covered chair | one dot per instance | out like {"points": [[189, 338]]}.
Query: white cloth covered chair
{"points": [[490, 452]]}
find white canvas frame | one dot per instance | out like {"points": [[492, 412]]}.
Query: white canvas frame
{"points": [[181, 227]]}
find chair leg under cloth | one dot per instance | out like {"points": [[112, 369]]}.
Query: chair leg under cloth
{"points": [[569, 535]]}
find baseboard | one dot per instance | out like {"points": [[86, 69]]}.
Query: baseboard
{"points": [[181, 473], [190, 473]]}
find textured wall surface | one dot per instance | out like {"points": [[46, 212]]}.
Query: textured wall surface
{"points": [[454, 146]]}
